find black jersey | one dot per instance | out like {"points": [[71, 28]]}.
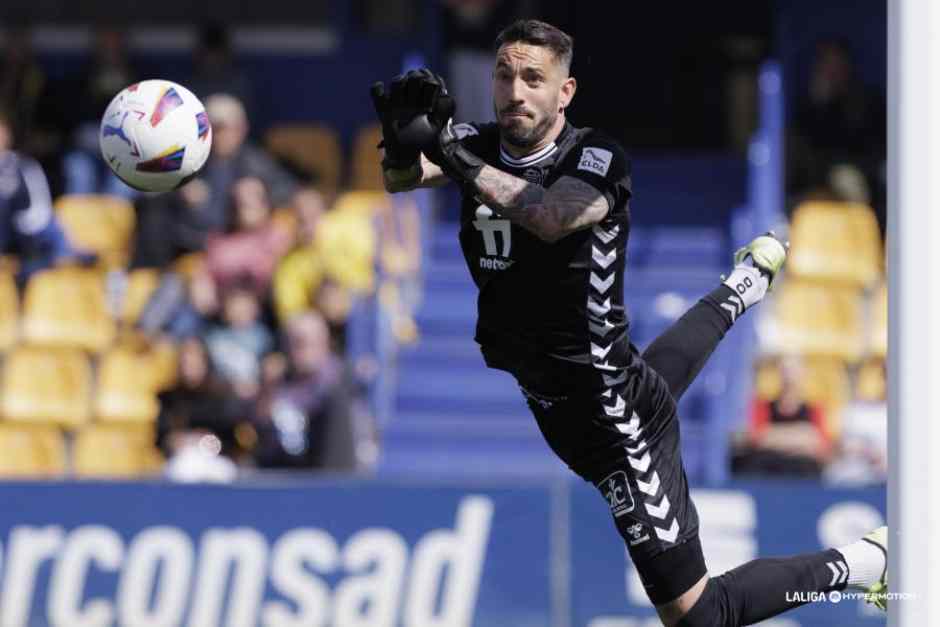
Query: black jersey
{"points": [[561, 301]]}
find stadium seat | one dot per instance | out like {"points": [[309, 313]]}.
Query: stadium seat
{"points": [[871, 384], [367, 159], [33, 451], [836, 242], [115, 451], [313, 148], [190, 263], [99, 223], [818, 319], [51, 385], [878, 340], [9, 312], [141, 284], [127, 386], [68, 307]]}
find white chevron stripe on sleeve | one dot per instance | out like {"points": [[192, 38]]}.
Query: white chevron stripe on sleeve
{"points": [[658, 511], [642, 464], [599, 309], [668, 535], [606, 236], [602, 285], [601, 259], [651, 488]]}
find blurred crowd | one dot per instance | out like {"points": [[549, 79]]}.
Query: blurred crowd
{"points": [[259, 282], [257, 276], [820, 399]]}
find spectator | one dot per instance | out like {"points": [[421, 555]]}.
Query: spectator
{"points": [[28, 226], [181, 307], [788, 435], [199, 405], [233, 157], [23, 85], [470, 26], [256, 245], [838, 142], [399, 240], [181, 222], [862, 455], [110, 71], [315, 418], [215, 69], [299, 275], [333, 266], [238, 345]]}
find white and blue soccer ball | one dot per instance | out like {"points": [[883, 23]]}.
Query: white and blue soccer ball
{"points": [[155, 135]]}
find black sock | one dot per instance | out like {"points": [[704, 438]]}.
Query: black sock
{"points": [[766, 587], [680, 353]]}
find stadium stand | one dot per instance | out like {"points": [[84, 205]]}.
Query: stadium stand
{"points": [[313, 148]]}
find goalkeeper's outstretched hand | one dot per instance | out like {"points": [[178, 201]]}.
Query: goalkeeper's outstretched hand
{"points": [[412, 112]]}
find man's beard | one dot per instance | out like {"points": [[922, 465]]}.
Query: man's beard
{"points": [[522, 137]]}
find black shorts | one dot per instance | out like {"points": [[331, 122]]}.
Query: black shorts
{"points": [[620, 431]]}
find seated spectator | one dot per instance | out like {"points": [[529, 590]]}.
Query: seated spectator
{"points": [[862, 452], [181, 307], [786, 436], [238, 345], [398, 226], [108, 72], [837, 145], [331, 268], [199, 404], [255, 247], [180, 222], [233, 157], [215, 68], [300, 273], [28, 226], [315, 417]]}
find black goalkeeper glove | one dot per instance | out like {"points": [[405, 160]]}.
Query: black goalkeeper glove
{"points": [[451, 156], [414, 109]]}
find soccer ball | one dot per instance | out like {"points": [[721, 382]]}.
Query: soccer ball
{"points": [[155, 135]]}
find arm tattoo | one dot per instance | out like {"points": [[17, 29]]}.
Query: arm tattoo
{"points": [[567, 206]]}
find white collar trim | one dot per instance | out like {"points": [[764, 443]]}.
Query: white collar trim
{"points": [[529, 159]]}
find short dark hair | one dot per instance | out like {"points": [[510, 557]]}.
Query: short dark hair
{"points": [[537, 33]]}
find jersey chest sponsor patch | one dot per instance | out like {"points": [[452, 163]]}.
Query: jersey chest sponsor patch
{"points": [[596, 160]]}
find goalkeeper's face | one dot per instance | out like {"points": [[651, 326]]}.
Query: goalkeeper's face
{"points": [[531, 89]]}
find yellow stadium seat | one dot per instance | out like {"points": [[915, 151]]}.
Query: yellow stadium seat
{"points": [[367, 159], [189, 264], [819, 319], [100, 223], [313, 148], [871, 384], [68, 307], [46, 385], [878, 341], [9, 312], [115, 451], [31, 451], [837, 242], [141, 284], [127, 386]]}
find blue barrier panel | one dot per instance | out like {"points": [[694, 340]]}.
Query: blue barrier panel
{"points": [[376, 553], [346, 553]]}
